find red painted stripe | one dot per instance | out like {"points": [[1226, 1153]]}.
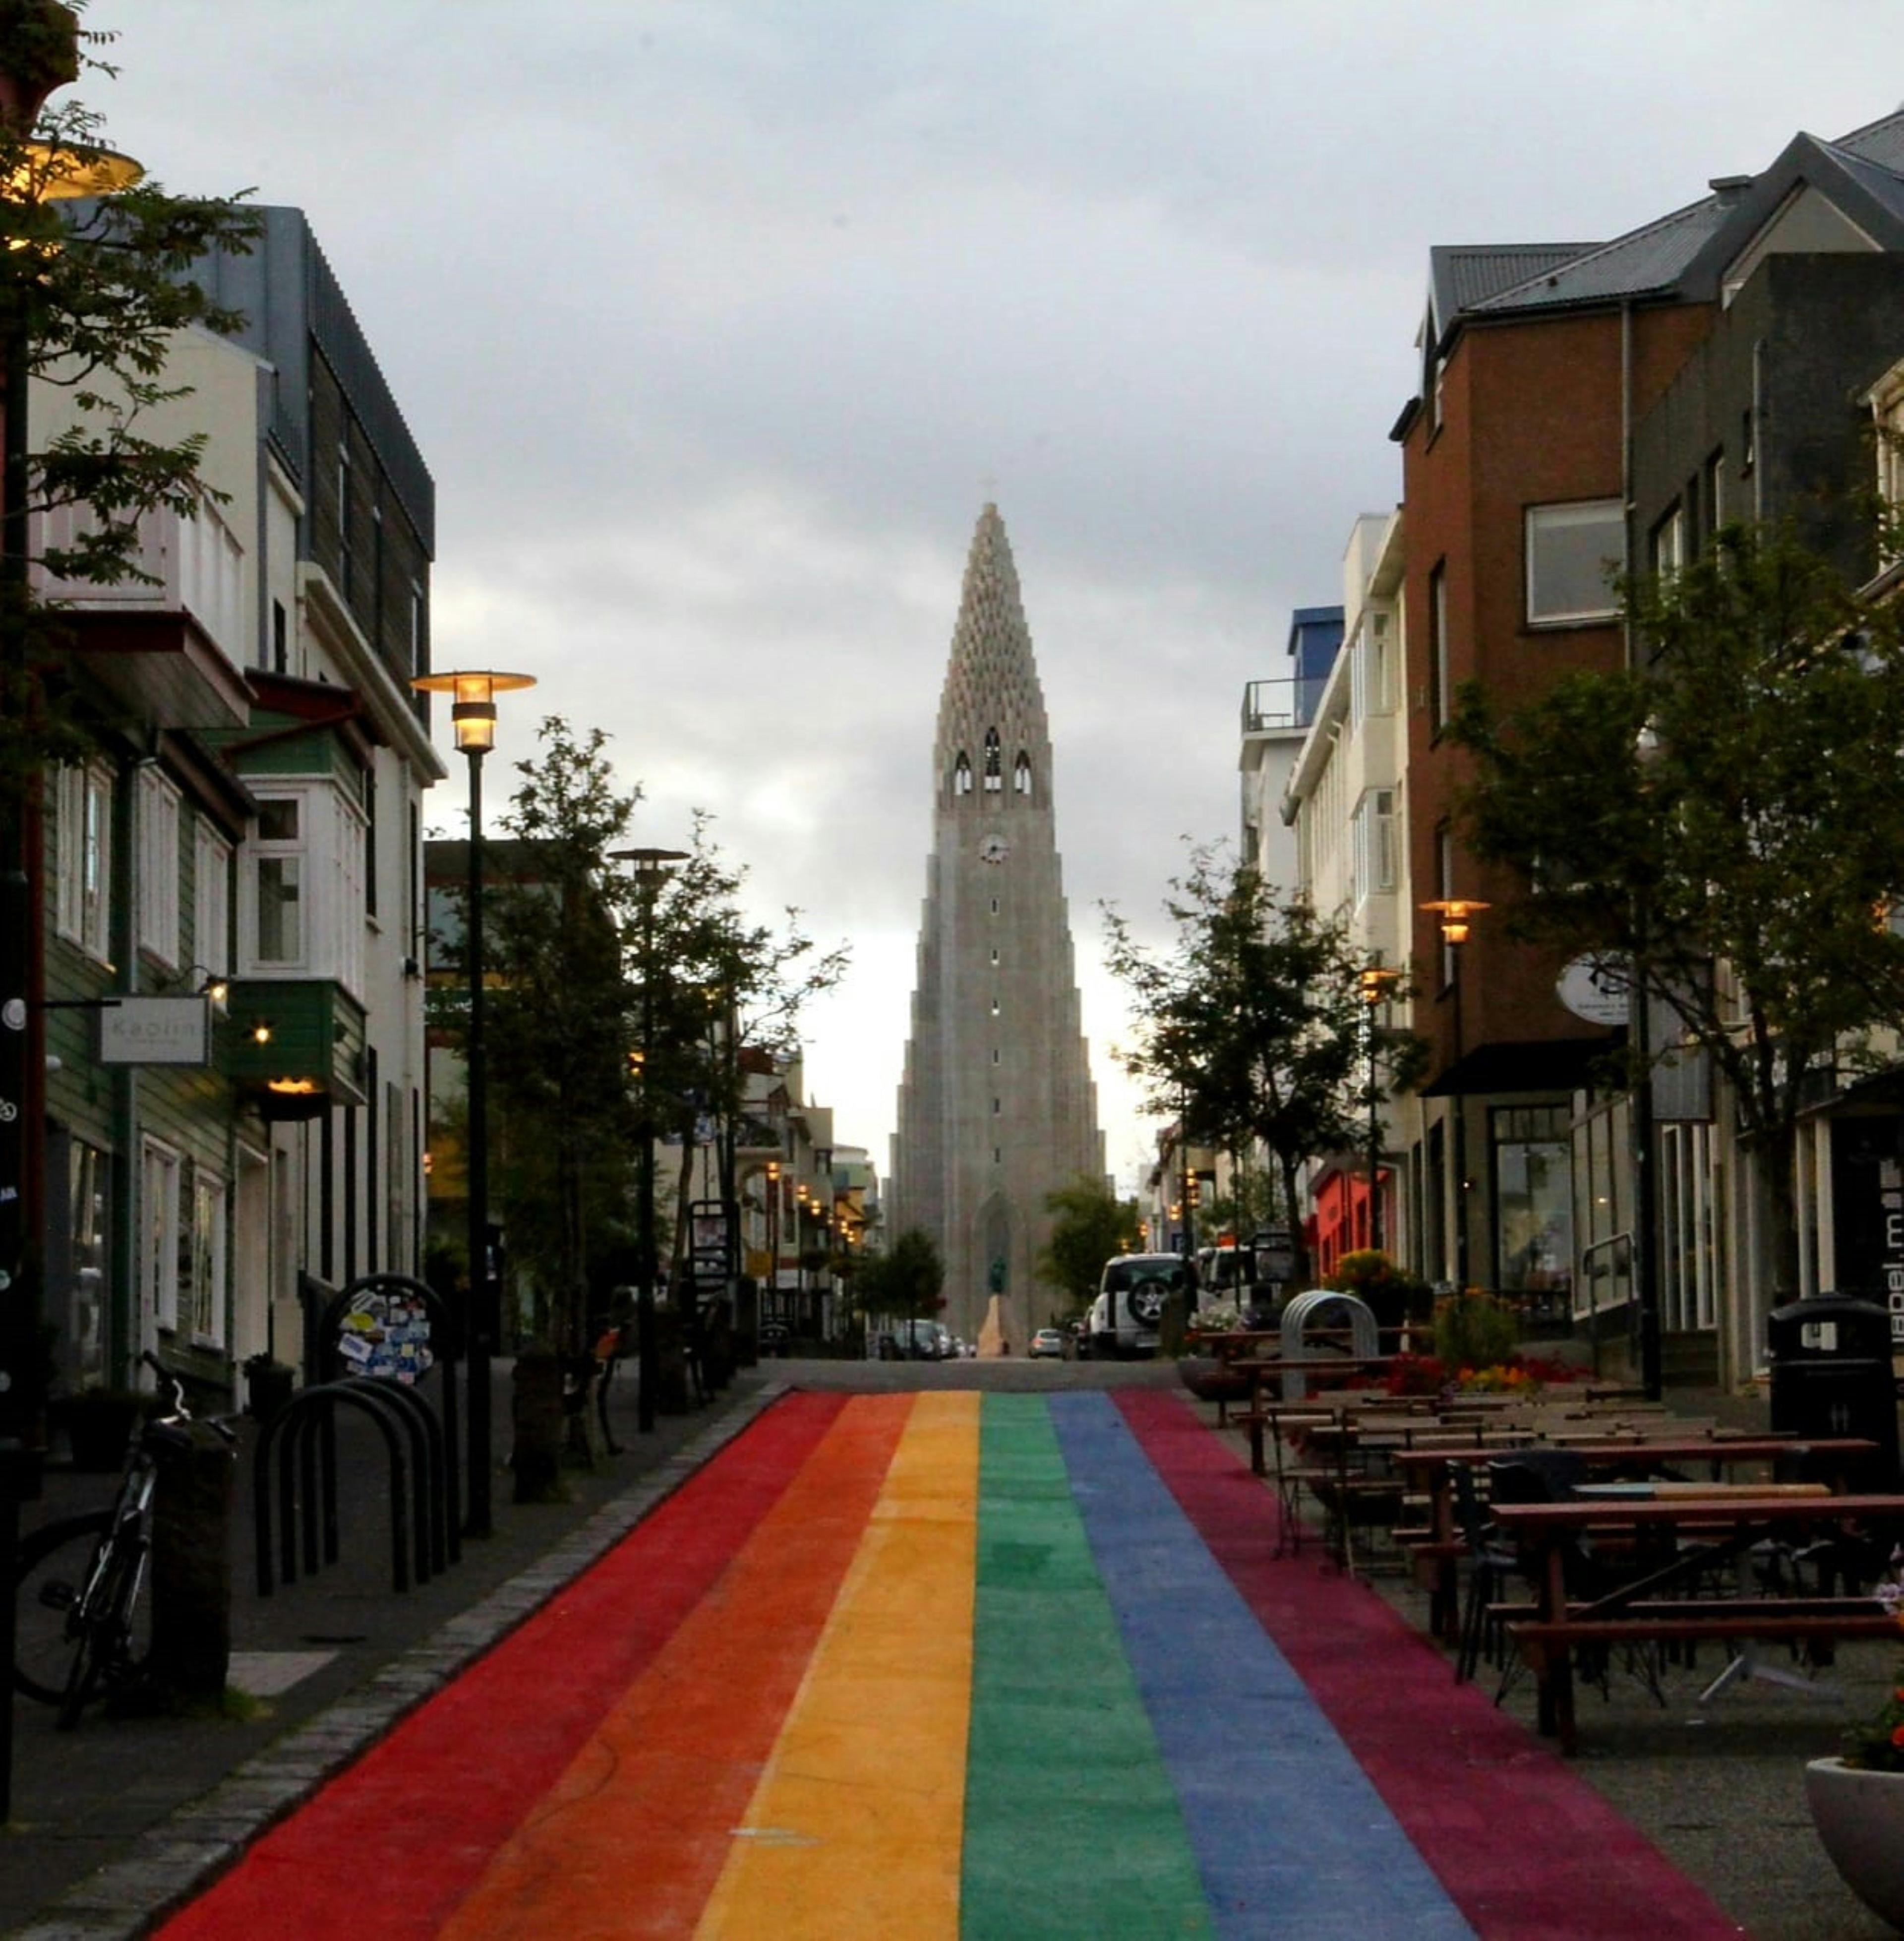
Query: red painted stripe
{"points": [[391, 1846], [633, 1836], [1453, 1769]]}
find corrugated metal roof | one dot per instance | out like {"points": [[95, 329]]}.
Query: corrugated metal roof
{"points": [[1881, 182], [1881, 142], [1465, 274], [1643, 260]]}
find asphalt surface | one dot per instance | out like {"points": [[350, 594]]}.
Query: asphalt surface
{"points": [[113, 1822]]}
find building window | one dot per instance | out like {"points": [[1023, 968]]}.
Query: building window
{"points": [[1573, 553], [962, 774], [418, 643], [370, 841], [211, 881], [280, 639], [994, 1008], [1440, 678], [158, 889], [994, 956], [83, 858], [1374, 843], [1021, 774], [994, 778], [1533, 1200], [1666, 545], [159, 1222], [994, 905], [277, 863], [995, 1054], [204, 1261], [998, 1106]]}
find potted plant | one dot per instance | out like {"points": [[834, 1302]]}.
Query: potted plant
{"points": [[1857, 1798]]}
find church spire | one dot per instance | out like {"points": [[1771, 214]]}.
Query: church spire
{"points": [[992, 683]]}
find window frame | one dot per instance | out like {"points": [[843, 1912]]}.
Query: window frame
{"points": [[1556, 514], [160, 1168], [83, 858], [156, 839]]}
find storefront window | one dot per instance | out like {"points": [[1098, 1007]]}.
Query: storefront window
{"points": [[1533, 1198]]}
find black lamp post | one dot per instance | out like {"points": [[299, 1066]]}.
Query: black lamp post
{"points": [[473, 712], [651, 868], [1455, 913], [1376, 983]]}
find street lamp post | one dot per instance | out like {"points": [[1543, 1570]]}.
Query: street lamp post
{"points": [[1376, 983], [651, 868], [1455, 914], [773, 1242], [473, 713]]}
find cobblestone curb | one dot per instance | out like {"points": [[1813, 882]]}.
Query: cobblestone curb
{"points": [[184, 1853]]}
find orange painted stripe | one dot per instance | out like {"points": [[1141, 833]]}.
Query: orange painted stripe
{"points": [[632, 1837], [855, 1832]]}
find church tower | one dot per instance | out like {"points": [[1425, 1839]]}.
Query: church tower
{"points": [[996, 1106]]}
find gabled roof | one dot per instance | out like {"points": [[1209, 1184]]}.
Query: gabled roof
{"points": [[1682, 255], [1462, 276]]}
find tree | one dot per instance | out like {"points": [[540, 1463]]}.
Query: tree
{"points": [[558, 1030], [1253, 1028], [723, 985], [92, 293], [1093, 1226], [908, 1281], [1730, 818]]}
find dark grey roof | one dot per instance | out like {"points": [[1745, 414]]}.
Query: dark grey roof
{"points": [[1643, 261], [1881, 140], [1463, 275], [1680, 254]]}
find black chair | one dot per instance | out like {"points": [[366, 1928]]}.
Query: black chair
{"points": [[1491, 1565]]}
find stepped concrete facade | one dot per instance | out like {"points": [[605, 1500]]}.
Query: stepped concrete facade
{"points": [[996, 1106]]}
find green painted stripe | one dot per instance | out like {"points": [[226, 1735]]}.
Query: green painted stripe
{"points": [[1072, 1826]]}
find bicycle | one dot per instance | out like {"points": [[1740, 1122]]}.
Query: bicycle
{"points": [[83, 1627]]}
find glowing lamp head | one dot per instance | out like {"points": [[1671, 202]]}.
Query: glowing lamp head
{"points": [[472, 695]]}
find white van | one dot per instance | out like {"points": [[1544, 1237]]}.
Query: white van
{"points": [[1131, 1291]]}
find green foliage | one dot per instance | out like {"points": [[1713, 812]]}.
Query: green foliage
{"points": [[1473, 1329], [1253, 1029], [908, 1281], [557, 1034], [92, 293], [1718, 818], [1091, 1226]]}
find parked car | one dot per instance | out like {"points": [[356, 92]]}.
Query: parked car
{"points": [[1048, 1341]]}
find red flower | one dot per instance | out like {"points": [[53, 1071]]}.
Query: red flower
{"points": [[1897, 1737]]}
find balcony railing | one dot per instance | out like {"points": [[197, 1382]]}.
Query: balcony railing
{"points": [[1288, 703], [195, 566]]}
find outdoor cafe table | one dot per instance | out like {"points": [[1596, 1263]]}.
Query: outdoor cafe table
{"points": [[1721, 1521], [1427, 1468]]}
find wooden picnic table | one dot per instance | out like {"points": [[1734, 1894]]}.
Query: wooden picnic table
{"points": [[1427, 1469], [1720, 1522]]}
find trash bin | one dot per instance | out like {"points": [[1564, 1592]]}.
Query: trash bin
{"points": [[1831, 1375]]}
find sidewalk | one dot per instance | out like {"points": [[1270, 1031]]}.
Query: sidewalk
{"points": [[98, 1841]]}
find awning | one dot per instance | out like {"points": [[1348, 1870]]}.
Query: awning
{"points": [[1542, 1064]]}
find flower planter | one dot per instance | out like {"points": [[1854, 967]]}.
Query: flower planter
{"points": [[1860, 1816]]}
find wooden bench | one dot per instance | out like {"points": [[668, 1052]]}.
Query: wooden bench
{"points": [[1547, 1645]]}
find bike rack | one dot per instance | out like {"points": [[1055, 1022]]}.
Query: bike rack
{"points": [[311, 1413], [327, 1331]]}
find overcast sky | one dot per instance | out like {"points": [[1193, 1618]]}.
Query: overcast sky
{"points": [[717, 325]]}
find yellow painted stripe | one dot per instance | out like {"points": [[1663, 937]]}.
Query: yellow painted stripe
{"points": [[856, 1828]]}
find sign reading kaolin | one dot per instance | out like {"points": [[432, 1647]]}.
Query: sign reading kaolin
{"points": [[155, 1031]]}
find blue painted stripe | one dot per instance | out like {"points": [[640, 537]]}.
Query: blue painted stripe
{"points": [[1290, 1834]]}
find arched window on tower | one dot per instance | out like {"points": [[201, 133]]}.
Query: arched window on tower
{"points": [[995, 774], [1021, 774], [961, 775]]}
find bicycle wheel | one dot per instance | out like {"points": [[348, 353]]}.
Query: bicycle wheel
{"points": [[51, 1572], [108, 1653]]}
